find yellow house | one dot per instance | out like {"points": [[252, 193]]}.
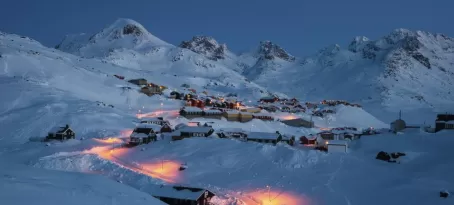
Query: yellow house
{"points": [[231, 115], [245, 116], [251, 110]]}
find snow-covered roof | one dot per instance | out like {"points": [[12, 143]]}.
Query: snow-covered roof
{"points": [[232, 112], [181, 125], [232, 130], [337, 142], [57, 129], [139, 135], [213, 111], [175, 192], [192, 109], [151, 119], [262, 135], [246, 113], [311, 137], [203, 129], [261, 114], [151, 126]]}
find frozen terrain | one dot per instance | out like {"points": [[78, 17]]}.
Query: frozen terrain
{"points": [[44, 87]]}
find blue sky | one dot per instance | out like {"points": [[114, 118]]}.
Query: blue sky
{"points": [[302, 27]]}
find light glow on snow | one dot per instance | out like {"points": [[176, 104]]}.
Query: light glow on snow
{"points": [[275, 197], [110, 140], [167, 168], [171, 113]]}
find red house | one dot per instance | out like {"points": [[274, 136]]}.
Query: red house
{"points": [[309, 140]]}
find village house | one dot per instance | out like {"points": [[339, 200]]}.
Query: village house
{"points": [[144, 134], [139, 81], [213, 114], [444, 121], [61, 133], [155, 120], [231, 115], [309, 139], [152, 89], [285, 109], [262, 116], [299, 122], [251, 110], [245, 116], [264, 137], [237, 133], [270, 108], [189, 131], [165, 128], [191, 112], [180, 195]]}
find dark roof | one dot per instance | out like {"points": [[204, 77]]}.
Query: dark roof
{"points": [[58, 130], [177, 192]]}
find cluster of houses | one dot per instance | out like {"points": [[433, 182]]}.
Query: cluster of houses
{"points": [[242, 115], [147, 88], [338, 102]]}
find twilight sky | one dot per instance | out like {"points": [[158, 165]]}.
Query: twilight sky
{"points": [[300, 26]]}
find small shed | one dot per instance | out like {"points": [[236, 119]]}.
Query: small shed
{"points": [[61, 133], [268, 99], [181, 195], [139, 81], [337, 146]]}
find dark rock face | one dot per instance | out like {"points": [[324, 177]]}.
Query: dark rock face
{"points": [[270, 51], [132, 29], [206, 46]]}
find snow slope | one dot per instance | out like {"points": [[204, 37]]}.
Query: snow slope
{"points": [[20, 187]]}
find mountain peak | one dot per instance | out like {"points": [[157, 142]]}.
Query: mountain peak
{"points": [[121, 34], [357, 43], [122, 27], [207, 46], [269, 50]]}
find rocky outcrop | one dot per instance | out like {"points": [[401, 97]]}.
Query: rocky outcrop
{"points": [[206, 46], [269, 51]]}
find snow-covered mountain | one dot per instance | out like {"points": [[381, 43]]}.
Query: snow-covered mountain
{"points": [[202, 61], [403, 70]]}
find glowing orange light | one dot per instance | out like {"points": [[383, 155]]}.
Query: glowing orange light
{"points": [[273, 197], [165, 170], [110, 140], [289, 117], [157, 113]]}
